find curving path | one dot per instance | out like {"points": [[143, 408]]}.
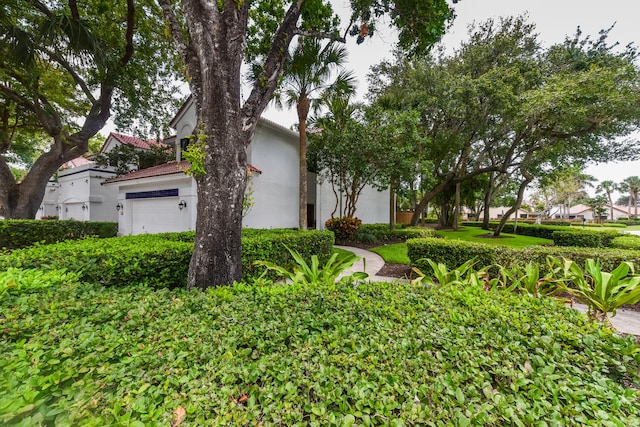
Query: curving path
{"points": [[625, 321]]}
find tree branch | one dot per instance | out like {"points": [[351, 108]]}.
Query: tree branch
{"points": [[76, 77], [73, 5], [43, 8], [129, 49], [319, 35], [175, 30], [266, 83]]}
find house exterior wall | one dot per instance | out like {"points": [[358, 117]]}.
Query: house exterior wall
{"points": [[275, 190], [81, 197], [372, 205], [49, 201], [146, 207]]}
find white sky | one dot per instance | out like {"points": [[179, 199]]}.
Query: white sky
{"points": [[554, 20]]}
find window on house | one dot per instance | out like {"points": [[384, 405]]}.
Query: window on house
{"points": [[184, 143]]}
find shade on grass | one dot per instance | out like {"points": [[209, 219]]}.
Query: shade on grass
{"points": [[475, 234]]}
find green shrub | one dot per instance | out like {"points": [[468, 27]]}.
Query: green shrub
{"points": [[525, 229], [16, 280], [585, 238], [162, 260], [455, 252], [382, 232], [269, 245], [452, 253], [615, 225], [372, 354], [629, 222], [626, 242], [345, 229], [16, 234]]}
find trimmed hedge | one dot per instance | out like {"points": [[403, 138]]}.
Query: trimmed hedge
{"points": [[18, 233], [454, 253], [161, 260], [585, 238], [381, 232], [451, 252], [626, 242], [524, 229]]}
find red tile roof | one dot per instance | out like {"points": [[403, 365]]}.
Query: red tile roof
{"points": [[74, 163], [160, 170], [144, 144], [164, 169]]}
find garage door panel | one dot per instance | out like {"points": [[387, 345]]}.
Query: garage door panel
{"points": [[155, 215]]}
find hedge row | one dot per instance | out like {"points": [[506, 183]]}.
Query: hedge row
{"points": [[16, 234], [626, 242], [381, 232], [161, 260], [585, 238], [454, 253]]}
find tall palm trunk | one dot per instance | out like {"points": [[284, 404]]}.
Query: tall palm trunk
{"points": [[303, 112]]}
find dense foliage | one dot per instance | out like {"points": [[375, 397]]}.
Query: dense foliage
{"points": [[344, 228], [371, 354], [16, 234], [66, 67], [585, 238], [454, 253], [626, 242], [161, 260], [526, 229], [382, 232]]}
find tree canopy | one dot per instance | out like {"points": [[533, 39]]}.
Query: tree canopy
{"points": [[503, 105], [65, 66]]}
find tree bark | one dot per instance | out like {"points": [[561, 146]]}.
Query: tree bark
{"points": [[392, 207], [303, 112], [213, 55]]}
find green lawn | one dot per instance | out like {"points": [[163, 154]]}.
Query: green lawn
{"points": [[342, 253], [472, 234], [395, 254]]}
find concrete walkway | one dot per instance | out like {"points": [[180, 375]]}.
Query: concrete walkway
{"points": [[625, 321]]}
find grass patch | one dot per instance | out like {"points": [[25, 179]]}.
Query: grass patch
{"points": [[342, 253], [393, 254], [473, 234], [371, 354]]}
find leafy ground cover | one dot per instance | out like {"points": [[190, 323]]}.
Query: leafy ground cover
{"points": [[358, 354], [474, 234]]}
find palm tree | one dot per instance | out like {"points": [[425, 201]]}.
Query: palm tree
{"points": [[306, 77], [632, 186], [608, 187]]}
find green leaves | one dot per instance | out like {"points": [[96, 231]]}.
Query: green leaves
{"points": [[303, 273], [345, 354], [601, 291]]}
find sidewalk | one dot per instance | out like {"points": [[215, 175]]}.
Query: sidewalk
{"points": [[625, 321]]}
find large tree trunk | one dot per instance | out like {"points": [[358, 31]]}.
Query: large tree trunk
{"points": [[213, 55], [22, 200], [488, 197], [217, 252], [303, 112]]}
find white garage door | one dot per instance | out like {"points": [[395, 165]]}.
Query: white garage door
{"points": [[156, 215], [73, 211]]}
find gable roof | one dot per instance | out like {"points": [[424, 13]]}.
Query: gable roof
{"points": [[143, 144], [578, 209], [74, 163], [164, 169], [160, 170], [265, 122]]}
